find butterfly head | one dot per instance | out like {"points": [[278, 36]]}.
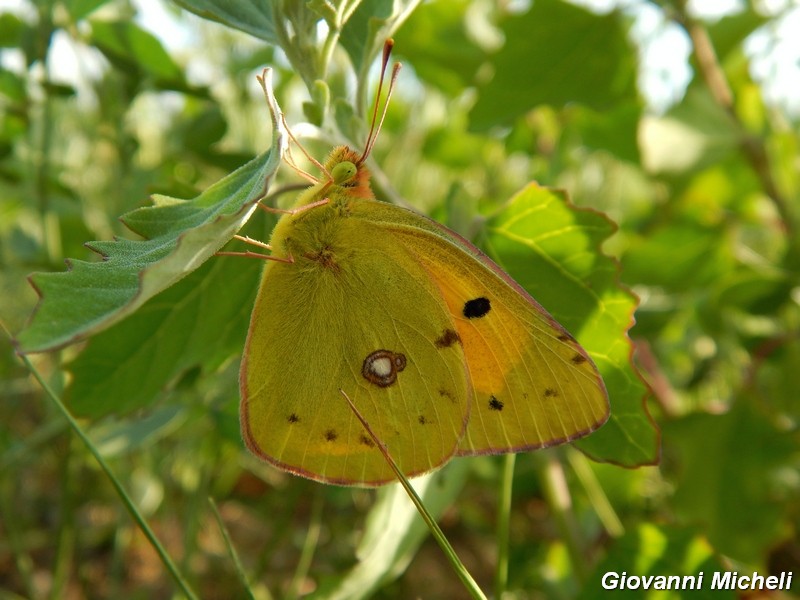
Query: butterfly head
{"points": [[345, 167], [347, 170]]}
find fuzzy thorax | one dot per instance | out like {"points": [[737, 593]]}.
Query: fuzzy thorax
{"points": [[310, 229]]}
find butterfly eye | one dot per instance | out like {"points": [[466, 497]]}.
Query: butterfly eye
{"points": [[343, 172]]}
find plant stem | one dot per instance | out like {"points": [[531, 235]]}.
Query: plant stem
{"points": [[602, 506], [558, 498], [503, 524], [464, 575], [309, 546], [714, 77], [166, 559], [232, 550], [65, 538]]}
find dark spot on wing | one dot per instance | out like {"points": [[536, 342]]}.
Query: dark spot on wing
{"points": [[495, 404], [331, 435], [476, 308], [422, 420], [366, 440], [578, 359], [382, 366], [550, 393], [447, 339], [447, 394], [293, 418], [565, 337]]}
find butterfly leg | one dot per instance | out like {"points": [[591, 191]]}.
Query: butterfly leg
{"points": [[252, 242], [293, 211], [250, 254]]}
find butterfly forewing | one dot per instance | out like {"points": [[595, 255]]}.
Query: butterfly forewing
{"points": [[534, 386]]}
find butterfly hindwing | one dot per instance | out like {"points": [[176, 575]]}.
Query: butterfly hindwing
{"points": [[364, 317]]}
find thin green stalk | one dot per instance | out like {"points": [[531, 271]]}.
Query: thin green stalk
{"points": [[326, 52], [309, 546], [126, 500], [232, 550], [503, 524], [438, 534], [558, 498], [65, 539], [597, 496]]}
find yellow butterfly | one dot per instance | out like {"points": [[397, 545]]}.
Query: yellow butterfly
{"points": [[441, 351]]}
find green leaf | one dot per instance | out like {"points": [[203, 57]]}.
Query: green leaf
{"points": [[202, 320], [80, 9], [435, 41], [12, 86], [614, 131], [693, 135], [551, 248], [656, 551], [729, 32], [12, 30], [179, 236], [557, 53], [394, 531], [738, 467], [251, 16], [117, 438], [133, 49], [369, 26], [697, 256]]}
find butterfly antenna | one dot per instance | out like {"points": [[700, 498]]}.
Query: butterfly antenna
{"points": [[373, 129], [293, 164]]}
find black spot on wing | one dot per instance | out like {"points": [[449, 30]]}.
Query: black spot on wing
{"points": [[365, 440], [565, 337], [477, 308], [331, 435], [550, 393], [422, 420], [293, 418], [495, 404]]}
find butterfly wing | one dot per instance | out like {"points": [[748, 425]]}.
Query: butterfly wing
{"points": [[363, 317], [534, 385]]}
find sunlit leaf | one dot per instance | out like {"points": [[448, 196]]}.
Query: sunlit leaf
{"points": [[551, 248]]}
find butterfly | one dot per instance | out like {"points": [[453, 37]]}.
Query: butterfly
{"points": [[440, 351]]}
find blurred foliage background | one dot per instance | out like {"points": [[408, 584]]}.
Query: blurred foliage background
{"points": [[678, 124]]}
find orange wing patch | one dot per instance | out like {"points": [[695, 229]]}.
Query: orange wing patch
{"points": [[533, 385]]}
